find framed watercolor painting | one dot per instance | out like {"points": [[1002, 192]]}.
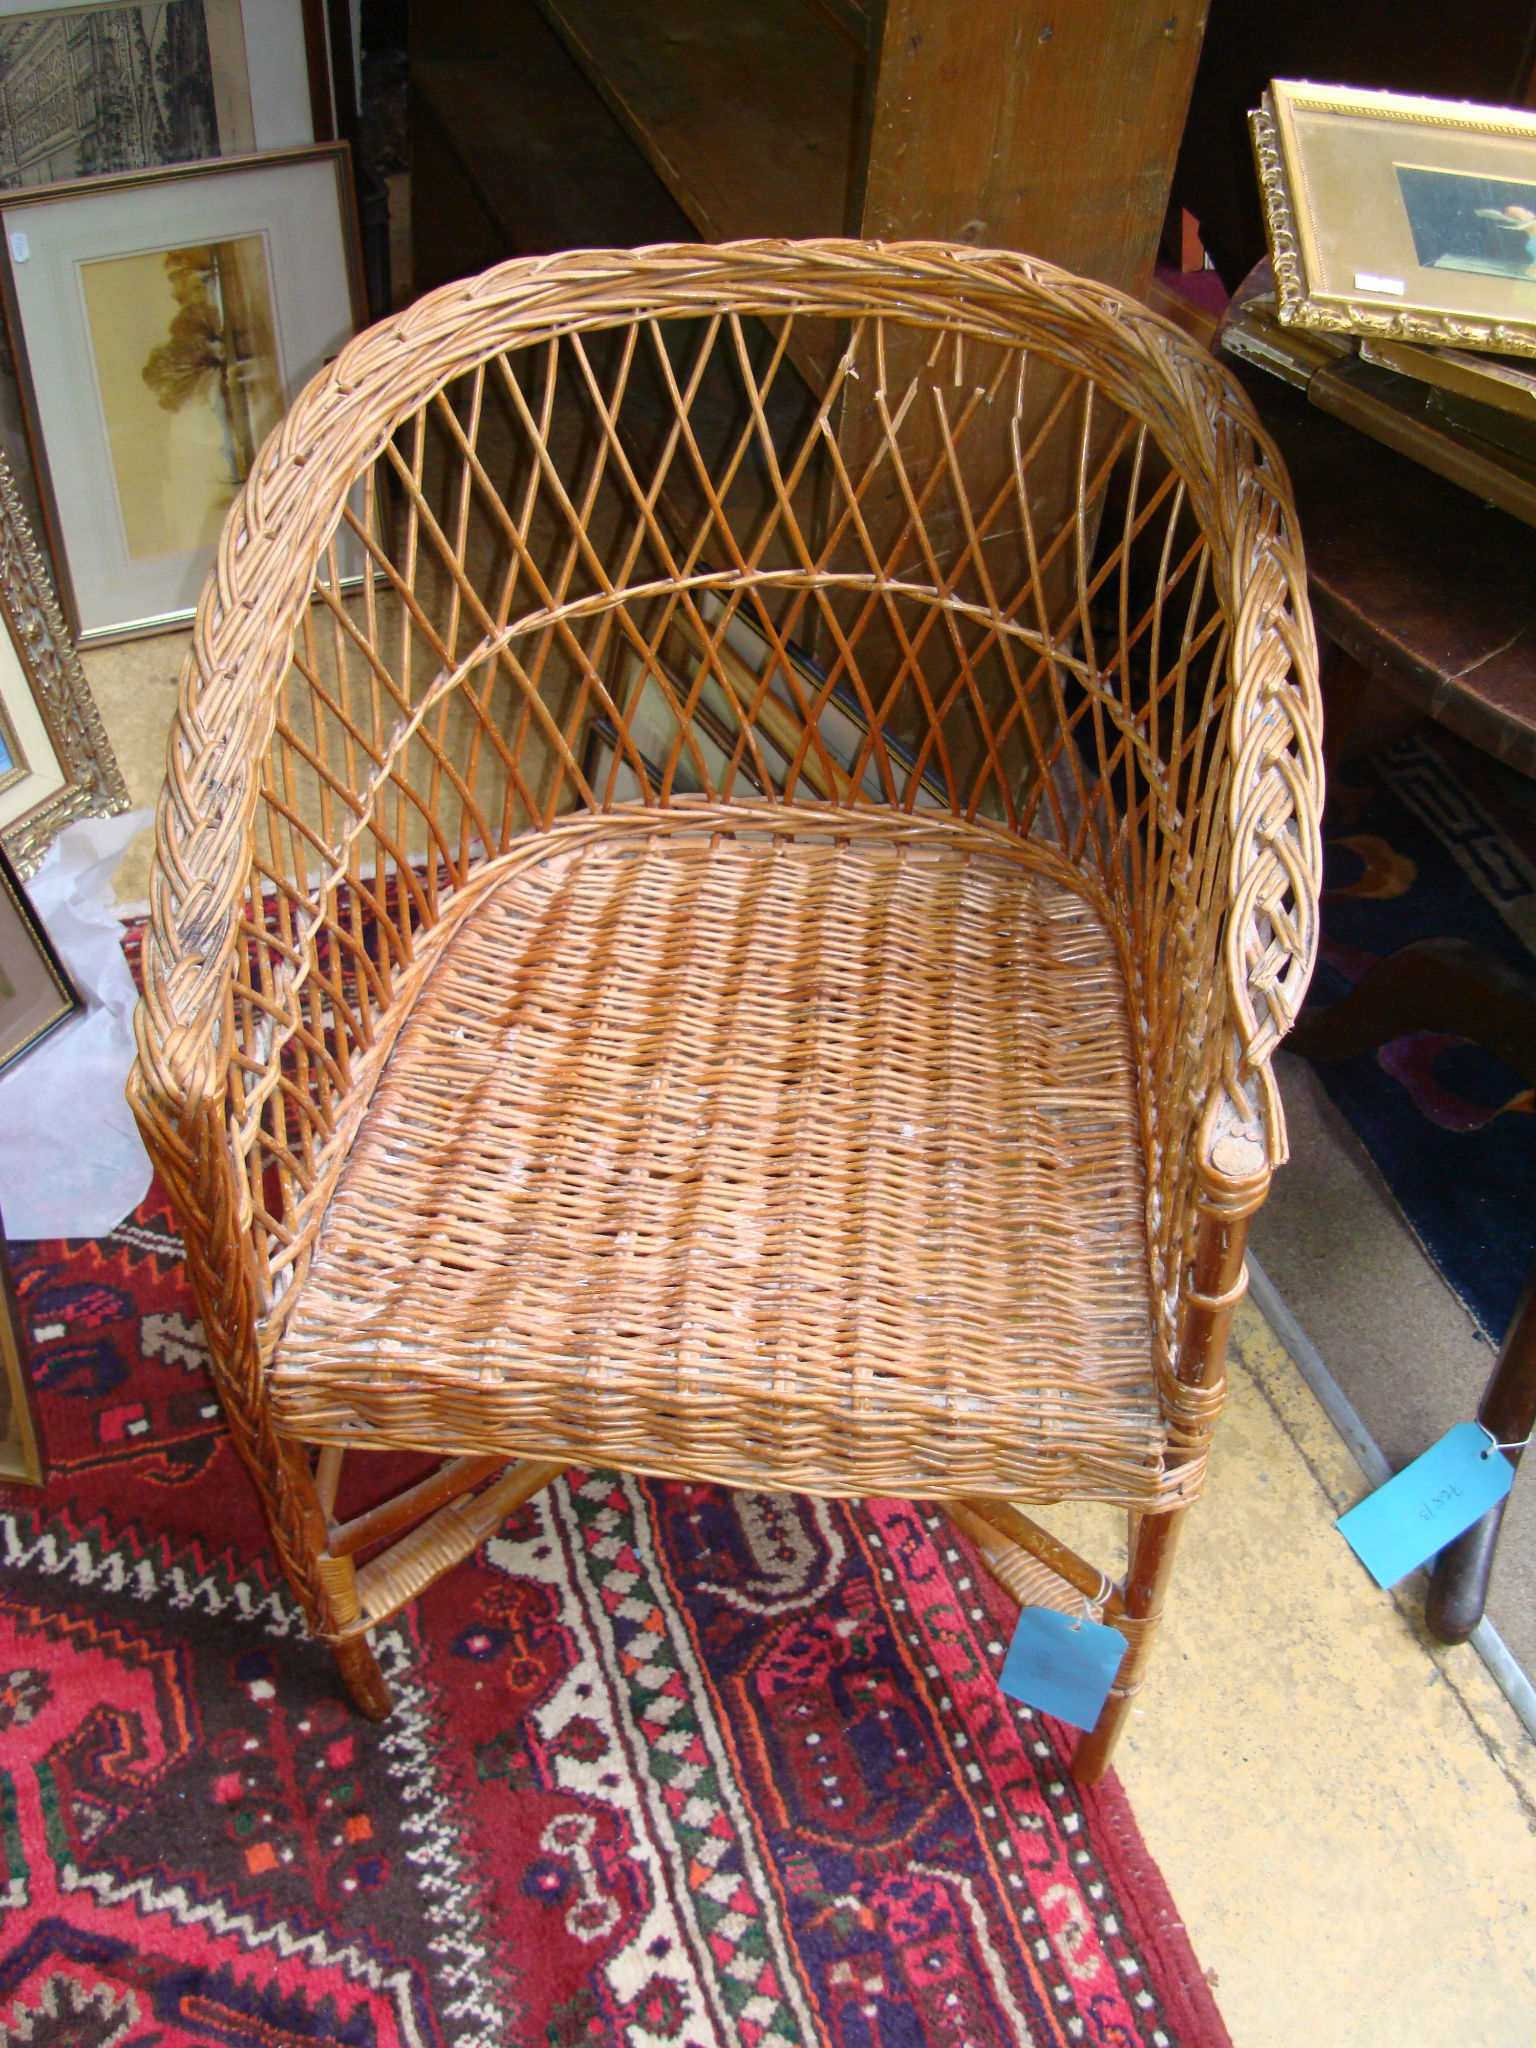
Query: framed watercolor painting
{"points": [[55, 762], [1400, 218], [162, 323]]}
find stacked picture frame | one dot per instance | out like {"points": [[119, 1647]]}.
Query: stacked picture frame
{"points": [[1399, 218], [179, 254], [162, 322]]}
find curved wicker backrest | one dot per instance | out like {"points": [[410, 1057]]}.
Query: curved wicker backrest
{"points": [[1023, 558]]}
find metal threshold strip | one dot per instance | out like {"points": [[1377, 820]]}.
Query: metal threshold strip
{"points": [[1511, 1680]]}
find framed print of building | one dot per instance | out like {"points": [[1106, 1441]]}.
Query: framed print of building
{"points": [[86, 91]]}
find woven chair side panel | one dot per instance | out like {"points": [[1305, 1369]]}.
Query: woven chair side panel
{"points": [[207, 1197]]}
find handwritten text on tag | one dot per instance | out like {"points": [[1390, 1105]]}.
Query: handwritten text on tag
{"points": [[1404, 1523]]}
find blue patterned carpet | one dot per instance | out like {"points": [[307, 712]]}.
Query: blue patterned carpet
{"points": [[1429, 838]]}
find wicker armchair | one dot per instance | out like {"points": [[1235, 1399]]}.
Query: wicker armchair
{"points": [[732, 925]]}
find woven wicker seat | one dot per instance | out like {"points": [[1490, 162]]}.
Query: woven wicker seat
{"points": [[678, 1116], [741, 832]]}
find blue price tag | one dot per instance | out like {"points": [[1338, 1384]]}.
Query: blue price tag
{"points": [[1063, 1667], [1428, 1504]]}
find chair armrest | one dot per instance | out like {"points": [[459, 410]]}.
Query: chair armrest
{"points": [[1274, 799]]}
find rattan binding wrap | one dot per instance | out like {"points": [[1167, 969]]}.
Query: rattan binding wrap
{"points": [[1033, 551]]}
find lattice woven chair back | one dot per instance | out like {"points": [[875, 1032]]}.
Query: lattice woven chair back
{"points": [[741, 830]]}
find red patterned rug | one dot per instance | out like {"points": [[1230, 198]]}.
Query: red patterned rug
{"points": [[670, 1766]]}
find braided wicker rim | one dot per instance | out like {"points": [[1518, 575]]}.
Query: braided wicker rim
{"points": [[294, 497]]}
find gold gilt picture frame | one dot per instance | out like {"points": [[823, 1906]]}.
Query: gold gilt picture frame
{"points": [[56, 763], [1398, 217]]}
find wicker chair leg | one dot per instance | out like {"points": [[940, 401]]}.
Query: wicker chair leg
{"points": [[1146, 1587], [1220, 1280], [325, 1586], [361, 1675]]}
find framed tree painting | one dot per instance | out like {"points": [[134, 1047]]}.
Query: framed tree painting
{"points": [[163, 322]]}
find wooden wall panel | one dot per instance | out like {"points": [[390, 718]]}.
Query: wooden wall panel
{"points": [[1028, 124]]}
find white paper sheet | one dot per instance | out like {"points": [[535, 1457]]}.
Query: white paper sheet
{"points": [[72, 1163]]}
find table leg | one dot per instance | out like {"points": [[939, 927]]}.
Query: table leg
{"points": [[1448, 985], [1432, 985], [1459, 1583], [1360, 711]]}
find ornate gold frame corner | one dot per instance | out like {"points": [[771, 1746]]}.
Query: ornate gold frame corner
{"points": [[94, 785], [1292, 305]]}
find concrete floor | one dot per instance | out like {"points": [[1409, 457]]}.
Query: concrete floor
{"points": [[1345, 1812], [1396, 1339]]}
